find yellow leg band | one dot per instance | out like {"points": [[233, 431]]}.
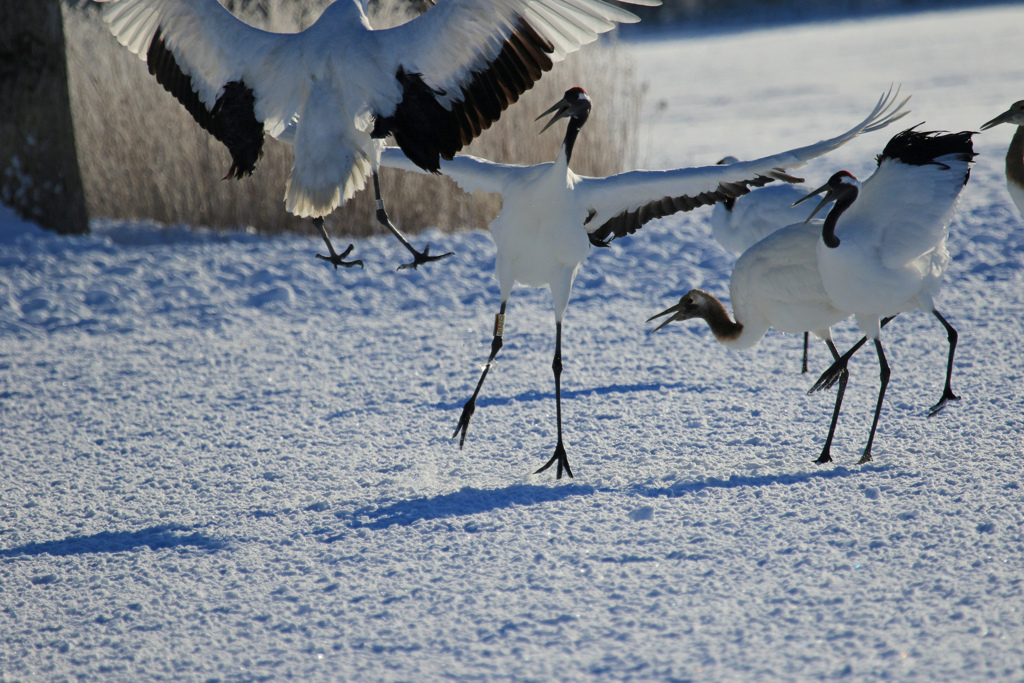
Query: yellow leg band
{"points": [[499, 324]]}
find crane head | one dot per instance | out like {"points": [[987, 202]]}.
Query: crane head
{"points": [[575, 103], [693, 304], [1014, 115], [833, 189]]}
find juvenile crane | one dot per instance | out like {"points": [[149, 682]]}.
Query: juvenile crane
{"points": [[1014, 153], [883, 245], [337, 89], [775, 283], [550, 216]]}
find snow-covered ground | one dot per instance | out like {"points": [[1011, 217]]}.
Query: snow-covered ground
{"points": [[223, 460]]}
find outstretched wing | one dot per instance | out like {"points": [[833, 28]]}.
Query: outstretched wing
{"points": [[469, 172], [211, 62], [463, 62], [621, 204]]}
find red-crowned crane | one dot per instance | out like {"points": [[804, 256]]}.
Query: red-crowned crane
{"points": [[1014, 153], [883, 245], [775, 283], [739, 225], [550, 216], [337, 89]]}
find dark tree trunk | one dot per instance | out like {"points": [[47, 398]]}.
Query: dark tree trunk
{"points": [[39, 174]]}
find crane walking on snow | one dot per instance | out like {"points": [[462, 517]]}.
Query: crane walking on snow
{"points": [[337, 89], [883, 244], [550, 216]]}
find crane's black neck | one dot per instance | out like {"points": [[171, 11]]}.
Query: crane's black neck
{"points": [[846, 196], [1015, 158], [573, 130]]}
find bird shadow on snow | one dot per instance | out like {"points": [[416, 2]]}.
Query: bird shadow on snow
{"points": [[155, 538], [464, 502], [470, 501], [683, 488], [568, 394]]}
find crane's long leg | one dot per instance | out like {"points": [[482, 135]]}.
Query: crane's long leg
{"points": [[844, 376], [830, 376], [334, 258], [947, 392], [884, 376], [556, 366], [803, 366], [382, 218], [470, 407]]}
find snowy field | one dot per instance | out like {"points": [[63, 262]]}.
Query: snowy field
{"points": [[224, 461]]}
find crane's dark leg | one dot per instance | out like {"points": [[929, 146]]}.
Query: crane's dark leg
{"points": [[831, 376], [803, 366], [382, 218], [826, 452], [470, 407], [884, 376], [335, 258], [556, 366], [947, 392]]}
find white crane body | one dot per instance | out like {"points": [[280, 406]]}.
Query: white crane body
{"points": [[883, 244], [776, 283], [739, 225], [892, 252]]}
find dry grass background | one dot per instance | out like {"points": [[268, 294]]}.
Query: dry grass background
{"points": [[142, 155]]}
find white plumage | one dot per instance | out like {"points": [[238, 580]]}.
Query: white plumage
{"points": [[740, 224], [338, 88], [775, 283], [883, 247], [550, 215]]}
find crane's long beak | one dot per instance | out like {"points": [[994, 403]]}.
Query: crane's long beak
{"points": [[676, 312], [1002, 118], [829, 196], [561, 110]]}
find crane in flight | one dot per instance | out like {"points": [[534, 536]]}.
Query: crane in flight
{"points": [[335, 90]]}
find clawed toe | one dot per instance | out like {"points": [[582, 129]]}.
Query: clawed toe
{"points": [[420, 258], [561, 458], [463, 426], [946, 398], [337, 259]]}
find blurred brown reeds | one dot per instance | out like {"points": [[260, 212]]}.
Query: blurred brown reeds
{"points": [[142, 156]]}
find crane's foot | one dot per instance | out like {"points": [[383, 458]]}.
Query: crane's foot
{"points": [[947, 396], [829, 377], [561, 458], [337, 259], [826, 456], [865, 458], [419, 258], [463, 426]]}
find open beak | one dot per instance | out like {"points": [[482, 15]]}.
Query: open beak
{"points": [[1002, 118], [829, 196], [676, 312], [560, 111]]}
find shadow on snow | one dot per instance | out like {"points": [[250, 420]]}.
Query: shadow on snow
{"points": [[568, 394], [155, 538], [466, 501], [471, 501]]}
